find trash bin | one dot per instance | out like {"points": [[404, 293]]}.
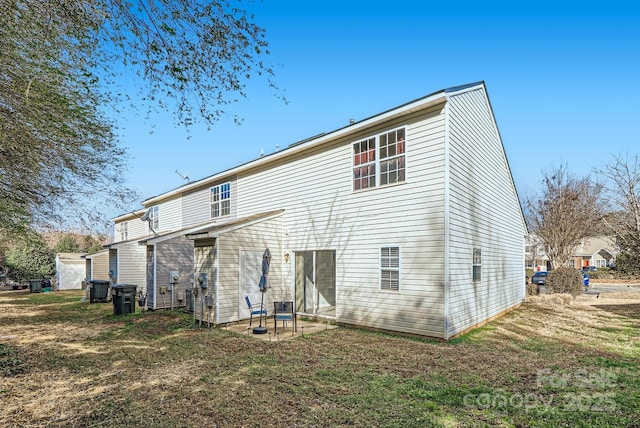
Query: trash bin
{"points": [[46, 285], [124, 299], [35, 285], [98, 290]]}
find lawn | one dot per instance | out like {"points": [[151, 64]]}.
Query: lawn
{"points": [[69, 363]]}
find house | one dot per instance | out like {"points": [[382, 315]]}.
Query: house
{"points": [[70, 271], [598, 251], [407, 221], [535, 257]]}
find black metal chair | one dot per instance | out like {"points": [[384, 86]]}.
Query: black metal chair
{"points": [[255, 309], [284, 311]]}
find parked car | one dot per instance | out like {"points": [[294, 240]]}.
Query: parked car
{"points": [[539, 278], [588, 269]]}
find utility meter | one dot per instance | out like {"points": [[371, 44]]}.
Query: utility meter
{"points": [[174, 277], [202, 280]]}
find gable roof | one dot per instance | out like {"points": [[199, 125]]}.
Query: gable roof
{"points": [[422, 103], [595, 244]]}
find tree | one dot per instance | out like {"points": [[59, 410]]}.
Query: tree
{"points": [[60, 79], [67, 244], [567, 211], [622, 197], [30, 258]]}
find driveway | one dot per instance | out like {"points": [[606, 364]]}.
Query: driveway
{"points": [[598, 288], [595, 288]]}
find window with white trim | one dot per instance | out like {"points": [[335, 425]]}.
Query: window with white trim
{"points": [[124, 230], [154, 218], [477, 265], [390, 268], [379, 160], [220, 200]]}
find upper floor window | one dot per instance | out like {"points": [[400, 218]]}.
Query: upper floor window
{"points": [[124, 230], [221, 200], [154, 218], [379, 160]]}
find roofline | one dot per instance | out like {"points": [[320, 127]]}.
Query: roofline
{"points": [[418, 104], [133, 214]]}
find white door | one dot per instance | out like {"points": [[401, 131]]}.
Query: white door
{"points": [[250, 272]]}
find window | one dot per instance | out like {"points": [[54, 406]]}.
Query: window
{"points": [[154, 218], [390, 268], [380, 160], [124, 230], [477, 265], [392, 157], [221, 200], [364, 164]]}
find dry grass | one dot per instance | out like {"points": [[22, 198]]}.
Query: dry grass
{"points": [[69, 363]]}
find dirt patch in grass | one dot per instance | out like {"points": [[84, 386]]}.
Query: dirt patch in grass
{"points": [[82, 366]]}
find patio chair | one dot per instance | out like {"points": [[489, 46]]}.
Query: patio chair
{"points": [[284, 311], [255, 309]]}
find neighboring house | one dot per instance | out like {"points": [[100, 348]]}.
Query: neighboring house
{"points": [[70, 271], [407, 221], [535, 257], [97, 265], [598, 251]]}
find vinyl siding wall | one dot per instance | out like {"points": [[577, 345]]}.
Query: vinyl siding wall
{"points": [[99, 265], [196, 208], [322, 212], [484, 214], [265, 234], [132, 264], [169, 215], [173, 255], [136, 228]]}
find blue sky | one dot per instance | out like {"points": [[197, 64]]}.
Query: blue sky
{"points": [[563, 80]]}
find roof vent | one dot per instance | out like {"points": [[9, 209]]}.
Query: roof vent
{"points": [[352, 121]]}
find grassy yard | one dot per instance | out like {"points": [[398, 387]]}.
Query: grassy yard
{"points": [[69, 363]]}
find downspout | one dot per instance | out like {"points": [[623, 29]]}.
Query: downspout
{"points": [[216, 251], [153, 279], [446, 219]]}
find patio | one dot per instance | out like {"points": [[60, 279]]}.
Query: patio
{"points": [[305, 327]]}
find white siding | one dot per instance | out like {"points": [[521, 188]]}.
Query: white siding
{"points": [[196, 207], [99, 265], [266, 234], [323, 213], [170, 215], [70, 274], [131, 264], [484, 214], [136, 229]]}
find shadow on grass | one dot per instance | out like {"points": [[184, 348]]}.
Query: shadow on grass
{"points": [[631, 310]]}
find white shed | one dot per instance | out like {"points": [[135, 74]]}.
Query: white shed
{"points": [[70, 271]]}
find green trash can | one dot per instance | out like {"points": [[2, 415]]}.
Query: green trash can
{"points": [[124, 299], [98, 290], [35, 285], [46, 285]]}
